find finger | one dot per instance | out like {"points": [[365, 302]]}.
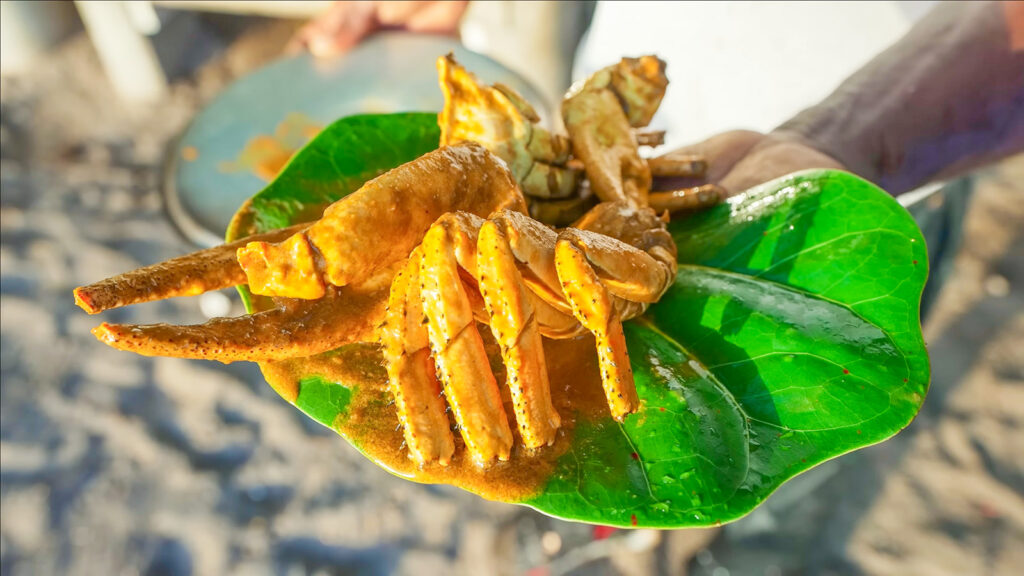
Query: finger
{"points": [[400, 12], [341, 28], [295, 46], [300, 40], [437, 17]]}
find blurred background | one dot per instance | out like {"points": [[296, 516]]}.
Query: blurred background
{"points": [[112, 463]]}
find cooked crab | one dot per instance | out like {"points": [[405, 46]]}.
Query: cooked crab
{"points": [[420, 280]]}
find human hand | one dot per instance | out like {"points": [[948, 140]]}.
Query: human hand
{"points": [[740, 159], [345, 24]]}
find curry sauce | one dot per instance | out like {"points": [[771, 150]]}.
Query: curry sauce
{"points": [[371, 424]]}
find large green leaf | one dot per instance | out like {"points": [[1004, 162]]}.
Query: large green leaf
{"points": [[791, 336]]}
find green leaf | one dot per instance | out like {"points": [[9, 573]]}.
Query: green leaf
{"points": [[791, 336]]}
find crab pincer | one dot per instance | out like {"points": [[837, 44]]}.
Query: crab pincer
{"points": [[326, 275]]}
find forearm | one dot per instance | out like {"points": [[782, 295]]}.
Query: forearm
{"points": [[948, 97]]}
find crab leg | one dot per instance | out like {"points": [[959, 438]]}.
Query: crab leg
{"points": [[592, 306], [515, 324], [533, 246], [195, 273], [458, 349], [362, 232], [527, 276], [417, 393]]}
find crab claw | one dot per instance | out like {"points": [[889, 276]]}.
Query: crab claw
{"points": [[300, 328], [340, 266], [188, 275]]}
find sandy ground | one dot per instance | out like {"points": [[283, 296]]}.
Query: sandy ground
{"points": [[116, 464]]}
